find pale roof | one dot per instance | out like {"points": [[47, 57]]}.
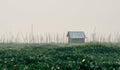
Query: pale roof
{"points": [[76, 34]]}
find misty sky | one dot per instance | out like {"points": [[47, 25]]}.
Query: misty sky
{"points": [[60, 15]]}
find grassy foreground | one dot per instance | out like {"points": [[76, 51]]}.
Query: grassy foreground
{"points": [[90, 56]]}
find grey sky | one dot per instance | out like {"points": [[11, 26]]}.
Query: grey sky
{"points": [[60, 15]]}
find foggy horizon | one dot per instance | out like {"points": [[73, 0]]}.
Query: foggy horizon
{"points": [[60, 16]]}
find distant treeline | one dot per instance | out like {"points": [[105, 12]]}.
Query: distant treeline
{"points": [[54, 38]]}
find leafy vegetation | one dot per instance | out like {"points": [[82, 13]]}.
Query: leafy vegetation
{"points": [[90, 56]]}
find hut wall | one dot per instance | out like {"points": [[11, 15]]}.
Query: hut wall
{"points": [[76, 40]]}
